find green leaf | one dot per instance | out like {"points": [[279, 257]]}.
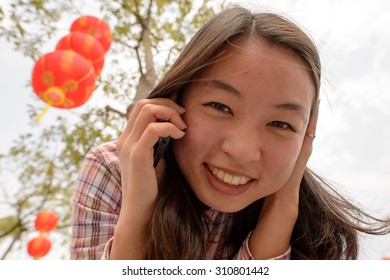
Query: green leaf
{"points": [[9, 225]]}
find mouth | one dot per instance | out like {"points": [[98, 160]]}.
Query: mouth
{"points": [[227, 178], [225, 182]]}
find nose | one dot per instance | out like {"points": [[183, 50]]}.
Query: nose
{"points": [[242, 144]]}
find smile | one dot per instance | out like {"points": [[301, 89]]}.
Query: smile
{"points": [[228, 178]]}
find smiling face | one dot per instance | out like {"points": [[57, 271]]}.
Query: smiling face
{"points": [[246, 118]]}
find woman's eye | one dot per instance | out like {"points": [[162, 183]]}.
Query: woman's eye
{"points": [[220, 107], [282, 125]]}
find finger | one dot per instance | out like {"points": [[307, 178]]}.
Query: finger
{"points": [[307, 147], [144, 150], [134, 129], [156, 101], [312, 125], [151, 114], [310, 134]]}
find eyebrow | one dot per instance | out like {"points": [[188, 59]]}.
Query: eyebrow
{"points": [[288, 106], [225, 87], [291, 107]]}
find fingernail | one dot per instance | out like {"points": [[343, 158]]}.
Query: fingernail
{"points": [[184, 127], [181, 110]]}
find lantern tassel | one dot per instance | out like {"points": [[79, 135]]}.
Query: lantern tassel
{"points": [[39, 117]]}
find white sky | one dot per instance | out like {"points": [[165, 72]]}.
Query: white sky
{"points": [[352, 143]]}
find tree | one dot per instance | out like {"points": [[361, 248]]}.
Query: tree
{"points": [[148, 35]]}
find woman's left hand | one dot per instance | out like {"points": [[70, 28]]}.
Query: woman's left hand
{"points": [[279, 213], [290, 191]]}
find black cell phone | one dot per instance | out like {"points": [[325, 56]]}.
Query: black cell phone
{"points": [[159, 149]]}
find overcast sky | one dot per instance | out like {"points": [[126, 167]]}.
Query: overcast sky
{"points": [[353, 136]]}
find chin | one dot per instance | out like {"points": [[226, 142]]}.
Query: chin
{"points": [[226, 206]]}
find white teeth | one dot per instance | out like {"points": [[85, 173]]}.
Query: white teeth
{"points": [[228, 178]]}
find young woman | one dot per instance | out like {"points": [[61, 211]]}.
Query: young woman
{"points": [[241, 105]]}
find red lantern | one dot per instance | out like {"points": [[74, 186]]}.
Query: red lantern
{"points": [[38, 247], [46, 221], [95, 27], [87, 46], [63, 79]]}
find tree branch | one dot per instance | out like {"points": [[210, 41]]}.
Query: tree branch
{"points": [[112, 109], [16, 238]]}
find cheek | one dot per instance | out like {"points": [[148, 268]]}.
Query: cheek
{"points": [[289, 156], [188, 148], [190, 153], [283, 161], [197, 139]]}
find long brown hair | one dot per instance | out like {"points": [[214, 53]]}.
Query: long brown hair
{"points": [[327, 224]]}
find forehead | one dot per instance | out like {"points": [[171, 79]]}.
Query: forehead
{"points": [[254, 64], [256, 51]]}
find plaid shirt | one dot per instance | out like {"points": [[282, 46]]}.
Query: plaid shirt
{"points": [[97, 203]]}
